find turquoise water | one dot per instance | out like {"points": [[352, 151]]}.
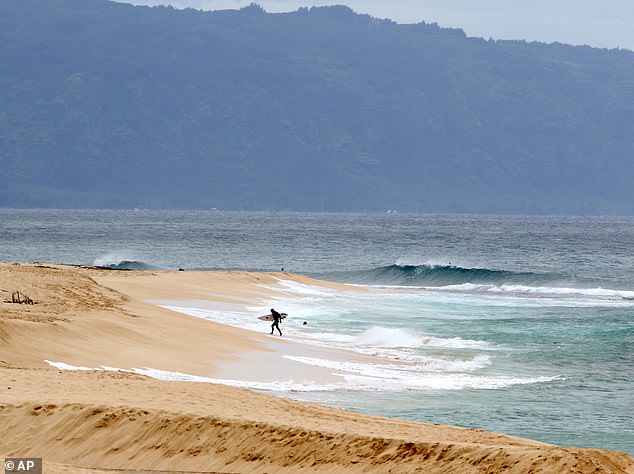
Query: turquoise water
{"points": [[522, 325], [555, 369]]}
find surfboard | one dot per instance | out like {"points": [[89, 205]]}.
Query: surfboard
{"points": [[269, 317]]}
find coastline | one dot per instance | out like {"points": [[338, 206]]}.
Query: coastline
{"points": [[89, 419]]}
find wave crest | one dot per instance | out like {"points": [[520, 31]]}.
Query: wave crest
{"points": [[445, 275], [121, 262]]}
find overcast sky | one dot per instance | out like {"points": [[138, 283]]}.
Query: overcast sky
{"points": [[604, 24]]}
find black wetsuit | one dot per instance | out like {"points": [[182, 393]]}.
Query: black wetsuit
{"points": [[277, 317]]}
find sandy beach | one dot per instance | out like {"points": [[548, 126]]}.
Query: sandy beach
{"points": [[99, 420]]}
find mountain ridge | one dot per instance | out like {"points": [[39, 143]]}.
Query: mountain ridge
{"points": [[322, 109]]}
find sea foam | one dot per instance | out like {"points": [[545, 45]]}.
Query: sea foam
{"points": [[355, 377], [388, 337]]}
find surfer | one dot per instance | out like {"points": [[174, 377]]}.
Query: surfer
{"points": [[277, 318]]}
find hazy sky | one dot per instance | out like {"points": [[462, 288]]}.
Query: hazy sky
{"points": [[604, 24]]}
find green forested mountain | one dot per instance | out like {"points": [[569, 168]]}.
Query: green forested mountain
{"points": [[108, 105]]}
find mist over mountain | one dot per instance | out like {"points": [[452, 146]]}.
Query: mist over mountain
{"points": [[108, 105]]}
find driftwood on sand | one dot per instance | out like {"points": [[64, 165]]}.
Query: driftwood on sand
{"points": [[20, 298]]}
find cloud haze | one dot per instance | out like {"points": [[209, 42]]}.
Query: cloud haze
{"points": [[607, 24]]}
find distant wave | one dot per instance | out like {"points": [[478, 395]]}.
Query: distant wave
{"points": [[129, 265], [444, 275], [484, 280], [117, 261]]}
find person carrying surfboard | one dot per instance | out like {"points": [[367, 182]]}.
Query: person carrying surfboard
{"points": [[277, 319]]}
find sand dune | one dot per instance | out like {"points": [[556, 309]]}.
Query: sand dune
{"points": [[84, 323], [99, 420]]}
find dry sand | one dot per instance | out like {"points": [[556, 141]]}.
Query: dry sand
{"points": [[93, 421]]}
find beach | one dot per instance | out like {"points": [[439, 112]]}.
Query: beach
{"points": [[105, 415]]}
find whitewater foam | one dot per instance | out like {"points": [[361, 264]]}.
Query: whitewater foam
{"points": [[514, 295], [442, 382], [355, 377], [432, 376], [298, 288], [388, 337], [280, 386]]}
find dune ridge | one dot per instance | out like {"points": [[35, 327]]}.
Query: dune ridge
{"points": [[126, 438]]}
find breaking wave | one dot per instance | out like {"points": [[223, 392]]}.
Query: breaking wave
{"points": [[445, 275], [116, 261]]}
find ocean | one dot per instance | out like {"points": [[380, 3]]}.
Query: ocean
{"points": [[516, 324]]}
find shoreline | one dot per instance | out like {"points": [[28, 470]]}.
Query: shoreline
{"points": [[118, 420]]}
